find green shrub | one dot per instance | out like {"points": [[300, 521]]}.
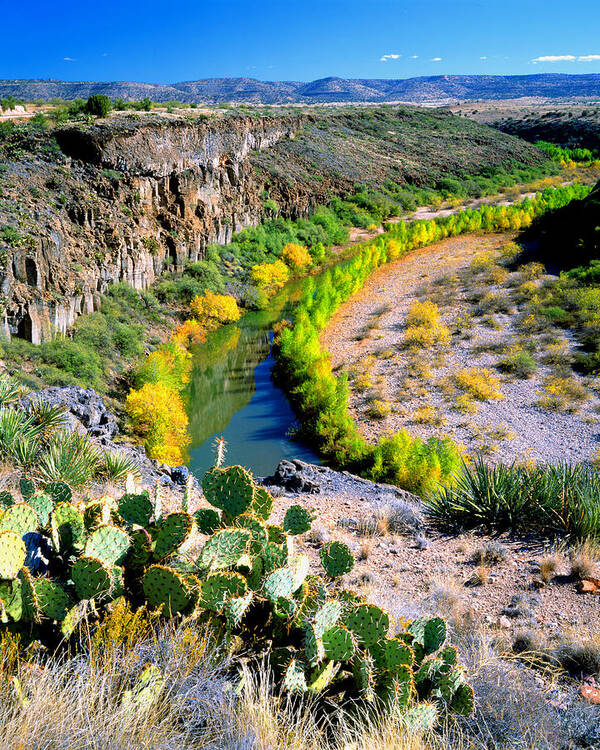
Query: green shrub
{"points": [[98, 105], [519, 363], [75, 358]]}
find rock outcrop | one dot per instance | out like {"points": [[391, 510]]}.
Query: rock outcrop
{"points": [[124, 201]]}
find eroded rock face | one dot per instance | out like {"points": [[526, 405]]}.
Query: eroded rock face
{"points": [[130, 200]]}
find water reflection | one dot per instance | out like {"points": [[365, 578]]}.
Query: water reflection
{"points": [[231, 394]]}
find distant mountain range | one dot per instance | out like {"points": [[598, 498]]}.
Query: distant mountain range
{"points": [[216, 90]]}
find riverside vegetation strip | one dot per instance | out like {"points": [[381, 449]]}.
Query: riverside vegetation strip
{"points": [[321, 399]]}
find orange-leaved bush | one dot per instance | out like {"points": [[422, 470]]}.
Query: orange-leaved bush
{"points": [[158, 415], [213, 310], [296, 257], [269, 277], [189, 332]]}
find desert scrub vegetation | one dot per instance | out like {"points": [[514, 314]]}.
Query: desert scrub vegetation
{"points": [[424, 328], [321, 399], [185, 587], [562, 394], [34, 438], [478, 383], [556, 500]]}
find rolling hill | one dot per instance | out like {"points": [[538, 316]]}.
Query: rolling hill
{"points": [[331, 89]]}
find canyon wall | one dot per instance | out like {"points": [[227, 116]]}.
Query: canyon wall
{"points": [[123, 201]]}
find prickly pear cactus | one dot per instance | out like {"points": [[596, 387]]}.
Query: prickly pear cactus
{"points": [[337, 559]]}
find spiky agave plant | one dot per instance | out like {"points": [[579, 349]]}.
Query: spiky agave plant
{"points": [[118, 466], [70, 457], [48, 417], [10, 390]]}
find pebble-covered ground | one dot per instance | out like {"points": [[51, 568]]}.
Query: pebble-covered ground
{"points": [[367, 336]]}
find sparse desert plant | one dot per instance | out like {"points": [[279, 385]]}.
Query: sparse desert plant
{"points": [[477, 382], [481, 262], [549, 564], [428, 415], [490, 553], [378, 409], [562, 394], [518, 362], [584, 559], [531, 271]]}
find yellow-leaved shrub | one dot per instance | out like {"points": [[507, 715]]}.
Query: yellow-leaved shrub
{"points": [[269, 277], [296, 257], [212, 310], [158, 415]]}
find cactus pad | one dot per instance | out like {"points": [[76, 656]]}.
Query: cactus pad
{"points": [[173, 532], [109, 544], [392, 654], [429, 633], [59, 492], [338, 643], [298, 520], [274, 557], [363, 671], [42, 505], [294, 679], [313, 646], [224, 548], [136, 509], [236, 608], [463, 702], [10, 594], [208, 520], [140, 550], [12, 554], [327, 616], [262, 504], [26, 487], [91, 577], [276, 534], [67, 527], [230, 489], [20, 517], [219, 588], [369, 624], [279, 583], [421, 717], [167, 589], [259, 535], [337, 559], [31, 607], [322, 677], [53, 600], [6, 499]]}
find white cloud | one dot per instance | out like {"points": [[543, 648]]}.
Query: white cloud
{"points": [[414, 57], [385, 58], [483, 57], [554, 58], [69, 59], [588, 58], [436, 59]]}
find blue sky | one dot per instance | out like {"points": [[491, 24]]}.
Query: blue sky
{"points": [[289, 40]]}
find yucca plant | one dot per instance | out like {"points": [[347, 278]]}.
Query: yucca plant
{"points": [[70, 457], [48, 417], [10, 390], [117, 466], [15, 425]]}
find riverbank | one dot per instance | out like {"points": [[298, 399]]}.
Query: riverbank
{"points": [[484, 312]]}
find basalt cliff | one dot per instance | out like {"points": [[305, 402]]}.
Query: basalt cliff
{"points": [[124, 201]]}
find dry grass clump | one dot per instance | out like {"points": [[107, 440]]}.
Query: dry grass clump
{"points": [[531, 271], [478, 383], [562, 394], [490, 553], [378, 409], [584, 559], [423, 326], [528, 291], [548, 565], [496, 275], [530, 323], [428, 415]]}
